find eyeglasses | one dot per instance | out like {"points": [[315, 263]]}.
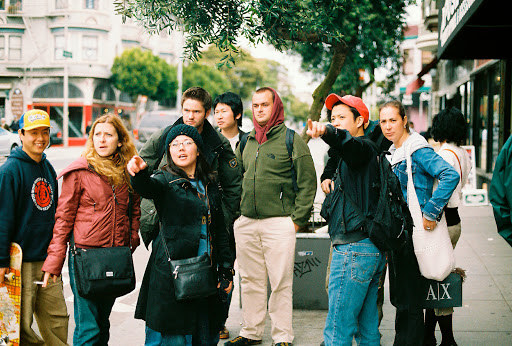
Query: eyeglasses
{"points": [[185, 144]]}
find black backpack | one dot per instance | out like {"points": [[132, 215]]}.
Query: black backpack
{"points": [[289, 146], [392, 219]]}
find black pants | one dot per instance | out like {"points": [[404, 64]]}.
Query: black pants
{"points": [[404, 287]]}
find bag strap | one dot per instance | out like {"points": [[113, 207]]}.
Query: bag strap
{"points": [[289, 146], [460, 167]]}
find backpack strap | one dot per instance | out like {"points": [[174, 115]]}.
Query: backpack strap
{"points": [[453, 152], [289, 146], [243, 142]]}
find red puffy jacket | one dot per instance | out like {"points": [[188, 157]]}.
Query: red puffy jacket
{"points": [[94, 210]]}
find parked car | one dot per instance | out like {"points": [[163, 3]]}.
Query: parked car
{"points": [[151, 122], [8, 142], [55, 133]]}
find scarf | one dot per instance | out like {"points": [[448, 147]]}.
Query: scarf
{"points": [[276, 118]]}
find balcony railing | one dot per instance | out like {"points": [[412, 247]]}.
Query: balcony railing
{"points": [[14, 7]]}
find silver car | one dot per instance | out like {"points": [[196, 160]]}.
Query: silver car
{"points": [[151, 122], [8, 142]]}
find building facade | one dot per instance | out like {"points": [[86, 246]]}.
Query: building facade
{"points": [[43, 42], [471, 70]]}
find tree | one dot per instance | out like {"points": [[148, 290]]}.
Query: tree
{"points": [[139, 72], [369, 28], [207, 77]]}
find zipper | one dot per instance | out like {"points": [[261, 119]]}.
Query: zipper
{"points": [[114, 219], [254, 190], [281, 196]]}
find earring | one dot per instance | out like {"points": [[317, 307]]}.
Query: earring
{"points": [[405, 126]]}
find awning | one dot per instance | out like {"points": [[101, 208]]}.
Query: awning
{"points": [[474, 29], [418, 83]]}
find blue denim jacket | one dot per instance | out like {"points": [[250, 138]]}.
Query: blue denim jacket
{"points": [[427, 165]]}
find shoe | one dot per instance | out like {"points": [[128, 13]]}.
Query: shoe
{"points": [[224, 333], [241, 341], [284, 344]]}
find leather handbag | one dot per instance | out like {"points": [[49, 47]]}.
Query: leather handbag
{"points": [[433, 249], [192, 278], [104, 272]]}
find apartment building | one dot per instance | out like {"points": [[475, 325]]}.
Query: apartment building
{"points": [[44, 42]]}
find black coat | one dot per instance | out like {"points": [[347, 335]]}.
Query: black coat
{"points": [[358, 178], [181, 212]]}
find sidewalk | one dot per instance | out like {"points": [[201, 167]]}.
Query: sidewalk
{"points": [[486, 315]]}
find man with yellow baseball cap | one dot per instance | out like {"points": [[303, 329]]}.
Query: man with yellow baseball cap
{"points": [[28, 186]]}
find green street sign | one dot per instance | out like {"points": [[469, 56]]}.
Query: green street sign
{"points": [[67, 54]]}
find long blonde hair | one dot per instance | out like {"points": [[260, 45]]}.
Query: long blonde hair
{"points": [[114, 166]]}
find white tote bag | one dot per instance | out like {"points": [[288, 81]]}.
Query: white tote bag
{"points": [[433, 249]]}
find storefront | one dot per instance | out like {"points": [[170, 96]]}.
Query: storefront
{"points": [[473, 74]]}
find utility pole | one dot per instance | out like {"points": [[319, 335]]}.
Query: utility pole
{"points": [[179, 50], [65, 107]]}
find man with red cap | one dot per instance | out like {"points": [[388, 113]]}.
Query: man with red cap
{"points": [[272, 211], [356, 263]]}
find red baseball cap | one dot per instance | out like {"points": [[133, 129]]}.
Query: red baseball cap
{"points": [[349, 100]]}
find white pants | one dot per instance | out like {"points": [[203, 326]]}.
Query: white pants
{"points": [[264, 248]]}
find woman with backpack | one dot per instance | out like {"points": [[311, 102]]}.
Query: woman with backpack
{"points": [[427, 166], [449, 129], [187, 198], [93, 212]]}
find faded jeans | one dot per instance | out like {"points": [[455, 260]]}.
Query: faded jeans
{"points": [[353, 285]]}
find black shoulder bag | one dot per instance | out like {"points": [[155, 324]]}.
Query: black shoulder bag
{"points": [[193, 278], [104, 271]]}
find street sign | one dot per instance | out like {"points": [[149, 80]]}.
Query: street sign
{"points": [[67, 54]]}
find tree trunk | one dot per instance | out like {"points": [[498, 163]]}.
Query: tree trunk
{"points": [[320, 93]]}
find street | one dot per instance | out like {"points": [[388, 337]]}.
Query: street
{"points": [[484, 319]]}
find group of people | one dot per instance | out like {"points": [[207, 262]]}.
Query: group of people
{"points": [[194, 190]]}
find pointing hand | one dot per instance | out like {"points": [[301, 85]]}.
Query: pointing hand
{"points": [[135, 165]]}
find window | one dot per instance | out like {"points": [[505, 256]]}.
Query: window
{"points": [[61, 4], [2, 5], [59, 47], [408, 62], [89, 47], [91, 4], [2, 47], [14, 47]]}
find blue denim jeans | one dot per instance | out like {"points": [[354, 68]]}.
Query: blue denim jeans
{"points": [[353, 285], [92, 325]]}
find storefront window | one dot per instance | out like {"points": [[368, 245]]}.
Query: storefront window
{"points": [[481, 119]]}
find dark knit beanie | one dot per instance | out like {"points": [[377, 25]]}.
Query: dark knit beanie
{"points": [[185, 130]]}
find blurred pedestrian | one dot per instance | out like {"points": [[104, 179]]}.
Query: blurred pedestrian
{"points": [[29, 191], [404, 274], [93, 210], [185, 183], [500, 193], [449, 128], [5, 126]]}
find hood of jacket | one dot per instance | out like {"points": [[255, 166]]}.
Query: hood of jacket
{"points": [[413, 143]]}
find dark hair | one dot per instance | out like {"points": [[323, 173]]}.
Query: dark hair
{"points": [[449, 125], [234, 102], [199, 94], [203, 170], [263, 89], [354, 111], [399, 106]]}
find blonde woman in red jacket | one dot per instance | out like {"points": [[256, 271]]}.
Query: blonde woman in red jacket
{"points": [[93, 206]]}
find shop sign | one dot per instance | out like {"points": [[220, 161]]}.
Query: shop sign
{"points": [[452, 16], [17, 103]]}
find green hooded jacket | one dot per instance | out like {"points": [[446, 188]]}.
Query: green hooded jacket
{"points": [[267, 189], [500, 192]]}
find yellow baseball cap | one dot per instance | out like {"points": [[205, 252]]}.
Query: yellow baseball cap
{"points": [[34, 118]]}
